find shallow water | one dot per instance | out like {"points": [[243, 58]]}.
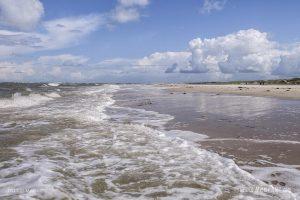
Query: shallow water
{"points": [[78, 144], [260, 134]]}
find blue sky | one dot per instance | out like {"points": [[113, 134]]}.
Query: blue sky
{"points": [[141, 40]]}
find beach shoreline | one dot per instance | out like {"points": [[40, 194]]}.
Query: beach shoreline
{"points": [[260, 134], [291, 92]]}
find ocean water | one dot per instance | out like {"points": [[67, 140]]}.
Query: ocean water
{"points": [[74, 142]]}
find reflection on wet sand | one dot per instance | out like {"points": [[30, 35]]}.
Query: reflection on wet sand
{"points": [[234, 106], [256, 132]]}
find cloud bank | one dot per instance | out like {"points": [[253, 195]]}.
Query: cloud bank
{"points": [[66, 67], [245, 54]]}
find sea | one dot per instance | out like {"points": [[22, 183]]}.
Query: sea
{"points": [[73, 141]]}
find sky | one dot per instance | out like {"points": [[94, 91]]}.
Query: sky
{"points": [[148, 41]]}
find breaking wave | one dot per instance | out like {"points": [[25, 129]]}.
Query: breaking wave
{"points": [[20, 101]]}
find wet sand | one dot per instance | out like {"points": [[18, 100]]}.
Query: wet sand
{"points": [[262, 125], [279, 91], [253, 131]]}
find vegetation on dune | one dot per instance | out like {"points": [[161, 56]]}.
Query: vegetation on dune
{"points": [[293, 81]]}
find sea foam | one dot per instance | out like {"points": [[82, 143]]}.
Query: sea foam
{"points": [[18, 101], [53, 84]]}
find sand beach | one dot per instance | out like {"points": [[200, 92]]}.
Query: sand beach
{"points": [[278, 91]]}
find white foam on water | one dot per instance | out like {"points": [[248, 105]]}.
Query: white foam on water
{"points": [[18, 101], [140, 116], [253, 140], [113, 159], [98, 114], [103, 89], [103, 100], [52, 95], [186, 135], [53, 84], [278, 174]]}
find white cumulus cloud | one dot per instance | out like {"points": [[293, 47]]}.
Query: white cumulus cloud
{"points": [[65, 31], [128, 10], [129, 3], [163, 60], [21, 14], [212, 5], [246, 51], [59, 33], [46, 68], [12, 71], [289, 63], [64, 60], [19, 17]]}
